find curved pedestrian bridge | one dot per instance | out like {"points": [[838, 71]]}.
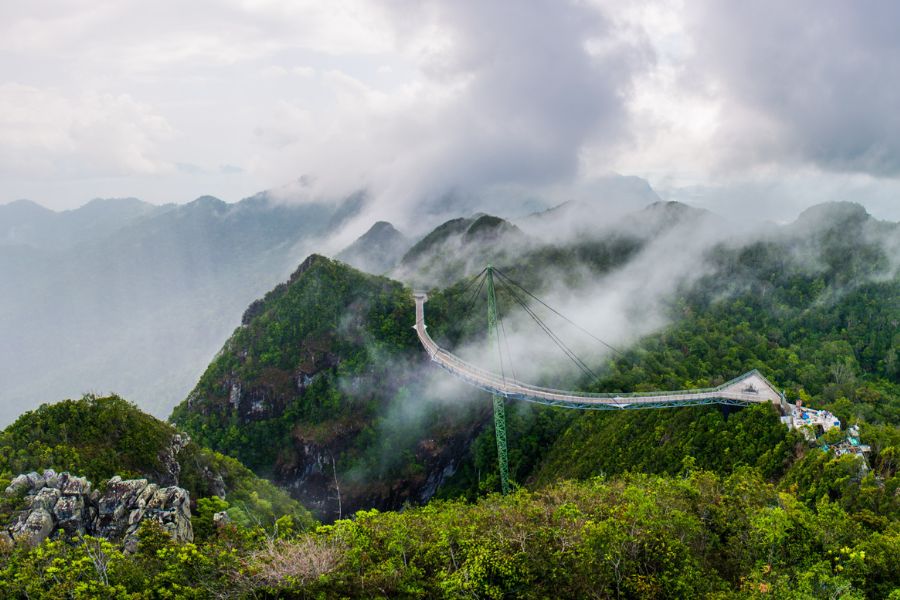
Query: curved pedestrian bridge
{"points": [[749, 388]]}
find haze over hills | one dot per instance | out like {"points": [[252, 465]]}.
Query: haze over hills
{"points": [[26, 223], [123, 296], [596, 208], [140, 304], [376, 251], [139, 301]]}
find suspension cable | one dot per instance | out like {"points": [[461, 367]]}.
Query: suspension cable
{"points": [[506, 343], [474, 297], [570, 354], [556, 340], [472, 280], [557, 313]]}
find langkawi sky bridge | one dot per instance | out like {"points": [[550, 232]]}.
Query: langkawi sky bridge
{"points": [[750, 388]]}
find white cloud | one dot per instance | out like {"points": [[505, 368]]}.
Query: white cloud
{"points": [[415, 98], [274, 72], [47, 134], [494, 100], [303, 71]]}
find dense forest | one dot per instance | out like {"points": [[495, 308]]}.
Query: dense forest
{"points": [[694, 534]]}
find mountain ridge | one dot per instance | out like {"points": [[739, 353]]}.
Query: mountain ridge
{"points": [[376, 251]]}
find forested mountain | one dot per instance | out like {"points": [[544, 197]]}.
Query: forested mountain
{"points": [[324, 389]]}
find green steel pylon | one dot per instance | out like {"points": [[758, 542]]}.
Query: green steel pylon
{"points": [[499, 407]]}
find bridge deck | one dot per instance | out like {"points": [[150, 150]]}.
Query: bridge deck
{"points": [[747, 389]]}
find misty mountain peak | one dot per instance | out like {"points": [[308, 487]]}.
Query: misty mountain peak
{"points": [[310, 261], [830, 214], [381, 227], [207, 202], [462, 230], [376, 251], [458, 247], [670, 207], [487, 227], [23, 206]]}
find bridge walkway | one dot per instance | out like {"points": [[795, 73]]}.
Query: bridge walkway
{"points": [[750, 388]]}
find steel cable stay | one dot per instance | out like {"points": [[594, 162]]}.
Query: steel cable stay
{"points": [[477, 293], [570, 354], [506, 343], [513, 282], [473, 280], [480, 279]]}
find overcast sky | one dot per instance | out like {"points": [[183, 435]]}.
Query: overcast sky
{"points": [[748, 108]]}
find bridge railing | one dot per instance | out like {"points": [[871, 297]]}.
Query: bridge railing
{"points": [[510, 385]]}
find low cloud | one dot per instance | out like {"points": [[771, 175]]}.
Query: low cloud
{"points": [[503, 93], [629, 302]]}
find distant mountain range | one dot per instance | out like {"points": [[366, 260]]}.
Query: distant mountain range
{"points": [[122, 295], [25, 223]]}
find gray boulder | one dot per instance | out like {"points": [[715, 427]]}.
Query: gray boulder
{"points": [[45, 499], [72, 515], [51, 479], [28, 481], [70, 485], [66, 503], [33, 527]]}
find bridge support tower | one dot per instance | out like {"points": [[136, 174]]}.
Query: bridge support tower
{"points": [[499, 406]]}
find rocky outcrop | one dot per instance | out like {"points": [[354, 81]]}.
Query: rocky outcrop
{"points": [[60, 502], [168, 458]]}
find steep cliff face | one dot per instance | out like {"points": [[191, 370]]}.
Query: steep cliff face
{"points": [[322, 391], [63, 504]]}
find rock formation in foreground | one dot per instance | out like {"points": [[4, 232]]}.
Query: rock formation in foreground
{"points": [[60, 502]]}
